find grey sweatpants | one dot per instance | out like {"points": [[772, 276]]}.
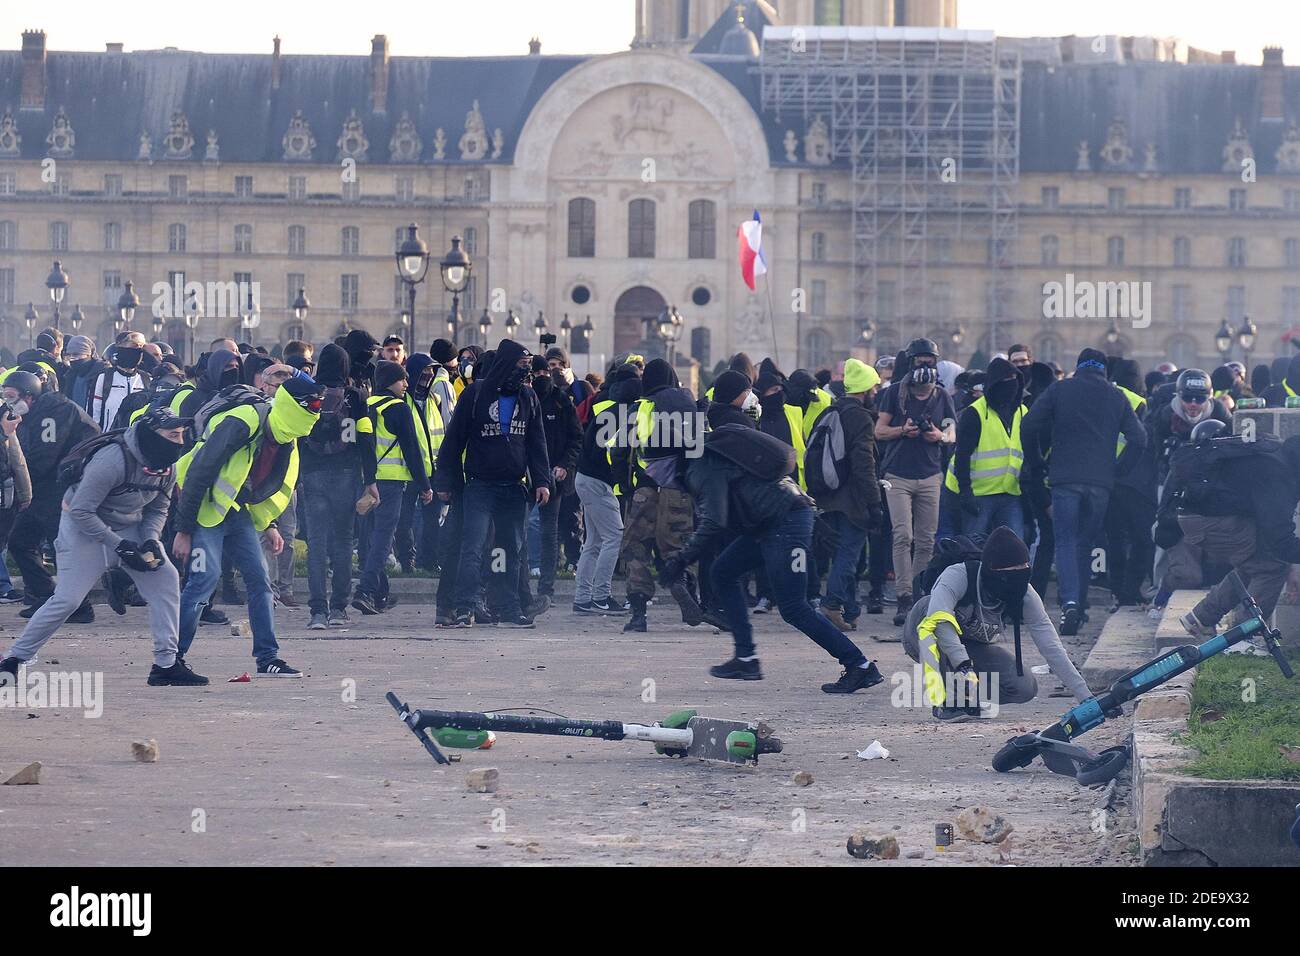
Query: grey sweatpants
{"points": [[604, 525], [986, 659], [81, 561]]}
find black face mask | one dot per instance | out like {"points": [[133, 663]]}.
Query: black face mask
{"points": [[229, 377], [542, 385], [1008, 587], [1003, 393], [514, 381], [158, 452], [776, 400], [128, 360]]}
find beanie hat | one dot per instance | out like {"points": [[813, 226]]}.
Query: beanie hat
{"points": [[555, 352], [442, 351], [301, 387], [728, 385], [79, 345], [859, 377], [386, 373], [1004, 549], [1092, 358], [46, 341], [658, 374], [1221, 379]]}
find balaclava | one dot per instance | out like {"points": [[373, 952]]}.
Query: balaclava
{"points": [[1004, 577], [160, 453], [295, 409], [1003, 388], [333, 366], [420, 368]]}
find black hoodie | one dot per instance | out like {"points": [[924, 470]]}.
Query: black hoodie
{"points": [[970, 424], [209, 382], [332, 367], [672, 435], [623, 389], [361, 347], [1275, 395], [475, 432]]}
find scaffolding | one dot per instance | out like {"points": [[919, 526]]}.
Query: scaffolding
{"points": [[929, 122]]}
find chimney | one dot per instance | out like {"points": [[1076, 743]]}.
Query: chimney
{"points": [[1272, 102], [1229, 57], [32, 96], [275, 64], [379, 74], [535, 47], [112, 47]]}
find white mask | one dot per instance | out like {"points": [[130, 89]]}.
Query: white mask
{"points": [[751, 406], [20, 408]]}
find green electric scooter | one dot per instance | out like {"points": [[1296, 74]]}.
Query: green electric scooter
{"points": [[1054, 745]]}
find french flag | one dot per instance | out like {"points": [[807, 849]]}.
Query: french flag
{"points": [[749, 237]]}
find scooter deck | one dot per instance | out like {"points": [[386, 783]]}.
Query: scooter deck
{"points": [[710, 735]]}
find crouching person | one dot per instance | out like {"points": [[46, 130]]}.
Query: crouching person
{"points": [[113, 516], [952, 632], [742, 486]]}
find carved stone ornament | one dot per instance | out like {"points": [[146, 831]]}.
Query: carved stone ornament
{"points": [[405, 145], [1082, 163], [1288, 153], [645, 125], [473, 143], [1117, 153], [10, 138], [1237, 150], [791, 144], [179, 142], [145, 152], [498, 143], [352, 142], [1150, 161], [298, 141], [440, 144], [817, 143], [62, 139], [212, 153]]}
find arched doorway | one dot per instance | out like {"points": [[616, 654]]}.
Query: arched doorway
{"points": [[633, 310]]}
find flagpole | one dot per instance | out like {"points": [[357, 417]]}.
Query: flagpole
{"points": [[771, 316]]}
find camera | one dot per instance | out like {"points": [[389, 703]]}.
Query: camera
{"points": [[546, 338], [923, 424]]}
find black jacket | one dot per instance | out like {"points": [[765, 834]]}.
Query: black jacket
{"points": [[1166, 431], [720, 414], [332, 369], [858, 498], [49, 430], [594, 460], [399, 421], [563, 433], [209, 382], [1080, 420], [730, 501]]}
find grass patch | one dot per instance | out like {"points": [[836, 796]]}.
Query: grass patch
{"points": [[1246, 743]]}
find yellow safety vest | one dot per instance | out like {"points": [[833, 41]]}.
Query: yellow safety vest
{"points": [[1135, 402], [183, 391], [390, 464], [610, 442], [1289, 391], [645, 410], [995, 464], [224, 494], [431, 427], [794, 418], [821, 400]]}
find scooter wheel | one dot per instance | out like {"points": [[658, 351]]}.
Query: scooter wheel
{"points": [[1110, 762], [1018, 752]]}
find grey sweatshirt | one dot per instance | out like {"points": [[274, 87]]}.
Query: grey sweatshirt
{"points": [[948, 592], [115, 494]]}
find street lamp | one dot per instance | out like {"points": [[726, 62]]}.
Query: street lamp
{"points": [[77, 318], [412, 267], [484, 325], [1246, 338], [868, 332], [126, 306], [539, 326], [958, 334], [585, 331], [57, 283], [1112, 333], [671, 326], [32, 318], [512, 323], [566, 329], [249, 317], [193, 312], [1223, 339], [456, 268]]}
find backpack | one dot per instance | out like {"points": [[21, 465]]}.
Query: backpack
{"points": [[326, 436], [232, 396], [761, 455], [73, 466], [1197, 473], [826, 464]]}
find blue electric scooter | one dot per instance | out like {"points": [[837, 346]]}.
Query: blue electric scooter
{"points": [[1055, 744]]}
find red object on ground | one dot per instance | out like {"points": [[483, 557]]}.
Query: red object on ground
{"points": [[241, 679]]}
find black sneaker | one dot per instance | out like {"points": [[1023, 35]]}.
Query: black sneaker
{"points": [[9, 671], [277, 668], [463, 618], [875, 603], [482, 615], [82, 615], [12, 596], [583, 608], [178, 675], [364, 603], [607, 606], [718, 619], [692, 614], [736, 669], [115, 592], [540, 605], [30, 609], [385, 603], [855, 678], [516, 621], [904, 605], [1071, 617], [211, 615], [956, 715], [444, 619]]}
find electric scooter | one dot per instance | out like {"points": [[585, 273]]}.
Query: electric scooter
{"points": [[1055, 744]]}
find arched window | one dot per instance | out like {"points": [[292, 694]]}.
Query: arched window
{"points": [[582, 228], [641, 229], [819, 247], [817, 345], [176, 237], [1051, 249], [244, 239], [297, 240], [702, 243], [351, 241], [1182, 252]]}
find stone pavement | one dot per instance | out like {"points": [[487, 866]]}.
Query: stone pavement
{"points": [[299, 772]]}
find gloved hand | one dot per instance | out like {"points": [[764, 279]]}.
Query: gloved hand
{"points": [[136, 558], [672, 570], [154, 548], [968, 503]]}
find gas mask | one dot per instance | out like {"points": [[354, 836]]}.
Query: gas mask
{"points": [[467, 371]]}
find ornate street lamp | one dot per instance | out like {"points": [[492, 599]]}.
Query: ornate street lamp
{"points": [[32, 317], [127, 303], [958, 335], [193, 312], [57, 283], [585, 331], [484, 325], [249, 317], [456, 269], [512, 323], [1246, 336], [77, 318], [671, 326], [539, 326], [566, 329], [1112, 333], [412, 267], [1223, 339], [868, 332]]}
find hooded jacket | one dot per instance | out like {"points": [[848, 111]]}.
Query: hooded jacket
{"points": [[563, 433], [492, 453], [1275, 395], [79, 378], [49, 430], [1169, 426], [675, 426], [858, 498], [116, 494], [361, 347], [187, 401], [594, 460], [332, 368]]}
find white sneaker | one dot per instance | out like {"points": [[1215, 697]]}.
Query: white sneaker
{"points": [[763, 606]]}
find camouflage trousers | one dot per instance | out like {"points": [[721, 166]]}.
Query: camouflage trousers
{"points": [[658, 519]]}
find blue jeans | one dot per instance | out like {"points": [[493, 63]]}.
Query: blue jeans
{"points": [[504, 505], [234, 540], [1078, 517], [783, 552], [995, 510], [842, 580], [386, 514]]}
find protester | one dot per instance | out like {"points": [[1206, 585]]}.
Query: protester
{"points": [[115, 384]]}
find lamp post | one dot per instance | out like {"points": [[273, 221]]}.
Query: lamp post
{"points": [[412, 267], [77, 318], [456, 269], [127, 303], [484, 325], [193, 312], [868, 332], [249, 318], [300, 307], [32, 317], [585, 331], [539, 326], [671, 326], [958, 335], [1112, 333], [1246, 339], [512, 323], [566, 329], [1223, 339], [57, 283]]}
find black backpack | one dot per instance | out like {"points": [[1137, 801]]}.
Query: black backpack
{"points": [[826, 459], [73, 466], [1198, 479], [947, 552], [761, 455], [326, 436], [232, 396]]}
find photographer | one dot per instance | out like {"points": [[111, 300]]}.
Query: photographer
{"points": [[917, 420]]}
